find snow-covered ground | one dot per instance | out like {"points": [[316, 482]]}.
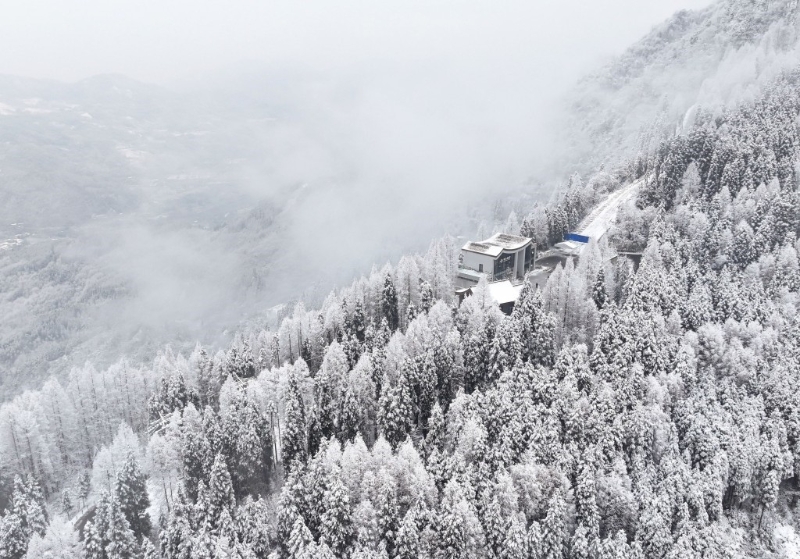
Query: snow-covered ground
{"points": [[10, 243], [788, 540], [597, 223]]}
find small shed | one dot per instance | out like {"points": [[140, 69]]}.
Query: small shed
{"points": [[504, 293]]}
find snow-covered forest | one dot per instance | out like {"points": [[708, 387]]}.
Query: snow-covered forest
{"points": [[643, 403], [622, 410]]}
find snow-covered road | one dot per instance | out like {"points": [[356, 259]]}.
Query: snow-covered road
{"points": [[598, 222]]}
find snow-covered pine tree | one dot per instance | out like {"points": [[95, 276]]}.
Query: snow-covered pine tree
{"points": [[84, 486], [395, 411], [175, 538], [599, 294], [66, 503], [336, 523], [506, 349], [131, 492], [14, 537], [408, 544], [536, 328], [221, 497], [108, 535], [389, 303], [515, 545], [293, 444]]}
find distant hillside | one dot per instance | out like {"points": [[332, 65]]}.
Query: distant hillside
{"points": [[132, 215], [716, 57]]}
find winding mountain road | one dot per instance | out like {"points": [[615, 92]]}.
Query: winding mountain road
{"points": [[599, 221]]}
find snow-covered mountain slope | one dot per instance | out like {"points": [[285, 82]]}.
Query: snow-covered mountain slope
{"points": [[645, 411], [715, 57], [104, 181], [641, 408]]}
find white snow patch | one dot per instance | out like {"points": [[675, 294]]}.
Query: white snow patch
{"points": [[86, 115], [132, 153], [6, 109], [8, 244], [788, 540], [504, 292]]}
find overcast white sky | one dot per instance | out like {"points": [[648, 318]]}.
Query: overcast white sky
{"points": [[162, 40]]}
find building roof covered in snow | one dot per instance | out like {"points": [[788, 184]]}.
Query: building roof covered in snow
{"points": [[498, 242], [568, 247], [504, 291]]}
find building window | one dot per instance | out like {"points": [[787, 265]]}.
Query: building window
{"points": [[528, 257], [504, 266], [480, 267]]}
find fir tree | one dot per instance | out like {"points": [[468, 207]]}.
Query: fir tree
{"points": [[315, 434], [66, 502], [515, 545], [254, 521], [247, 367], [28, 517], [84, 486], [351, 418], [293, 445], [599, 294], [175, 539], [28, 504], [506, 348], [173, 395], [14, 537], [389, 304], [108, 535], [220, 493], [131, 492], [411, 313], [291, 506], [580, 545], [421, 372], [395, 411], [148, 550], [494, 525], [408, 545], [426, 298], [197, 460], [437, 429], [535, 328], [553, 529], [300, 540], [336, 524], [355, 323], [203, 368], [387, 510], [452, 535], [586, 501], [365, 524]]}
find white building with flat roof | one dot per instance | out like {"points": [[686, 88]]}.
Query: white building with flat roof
{"points": [[500, 257]]}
